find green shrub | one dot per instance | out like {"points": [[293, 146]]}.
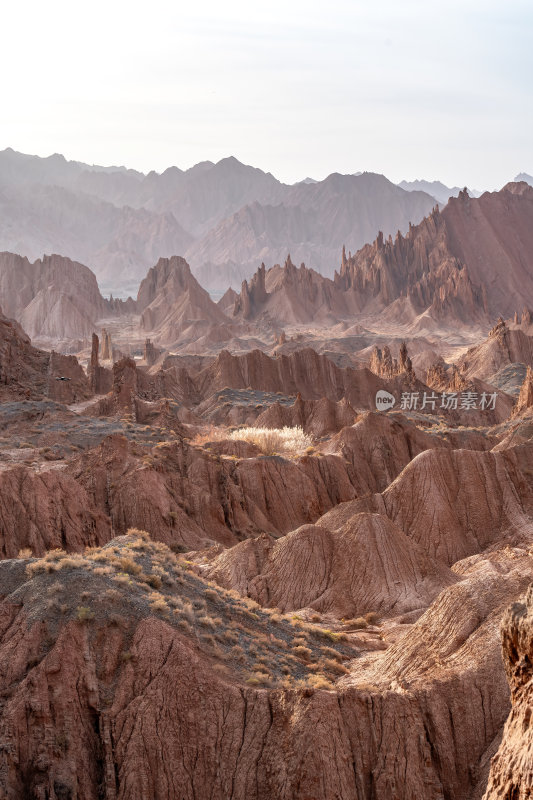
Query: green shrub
{"points": [[84, 613]]}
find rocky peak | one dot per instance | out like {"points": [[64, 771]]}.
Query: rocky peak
{"points": [[53, 297], [168, 271], [383, 364], [525, 398], [107, 347], [526, 320], [500, 330], [99, 377], [252, 295], [519, 188]]}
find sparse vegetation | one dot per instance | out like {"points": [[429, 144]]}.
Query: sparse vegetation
{"points": [[84, 613], [300, 651], [332, 665], [357, 622], [320, 681], [259, 678], [286, 441], [262, 647]]}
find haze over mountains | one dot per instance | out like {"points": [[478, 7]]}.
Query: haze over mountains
{"points": [[224, 218], [209, 535], [458, 269], [436, 189]]}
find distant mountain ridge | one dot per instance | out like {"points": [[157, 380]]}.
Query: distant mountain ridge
{"points": [[523, 176], [466, 264], [473, 257], [224, 218], [438, 190]]}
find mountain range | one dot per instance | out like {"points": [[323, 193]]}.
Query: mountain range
{"points": [[274, 545], [224, 218], [459, 268]]}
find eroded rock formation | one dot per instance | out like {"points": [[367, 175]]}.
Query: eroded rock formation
{"points": [[27, 372], [448, 263], [53, 298], [511, 773], [173, 304]]}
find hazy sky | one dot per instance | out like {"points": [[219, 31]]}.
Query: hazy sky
{"points": [[411, 89]]}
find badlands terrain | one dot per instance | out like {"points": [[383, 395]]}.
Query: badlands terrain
{"points": [[228, 570]]}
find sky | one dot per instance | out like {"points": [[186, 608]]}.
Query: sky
{"points": [[409, 89]]}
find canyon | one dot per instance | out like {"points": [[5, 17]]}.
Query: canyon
{"points": [[226, 571]]}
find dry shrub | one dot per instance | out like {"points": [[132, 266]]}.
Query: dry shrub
{"points": [[104, 556], [159, 605], [331, 665], [128, 565], [36, 567], [237, 654], [231, 593], [289, 441], [25, 552], [358, 622], [210, 434], [319, 682], [187, 612], [55, 555], [154, 581], [74, 561], [299, 640], [302, 652], [333, 635], [329, 652], [138, 533], [102, 570], [259, 678], [249, 603]]}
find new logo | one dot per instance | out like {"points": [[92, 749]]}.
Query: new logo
{"points": [[384, 400]]}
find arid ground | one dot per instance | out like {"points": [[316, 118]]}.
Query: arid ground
{"points": [[275, 542]]}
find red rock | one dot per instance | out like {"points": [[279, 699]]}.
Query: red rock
{"points": [[366, 565], [317, 417], [53, 298], [173, 304], [511, 773], [30, 373], [452, 262], [525, 398], [46, 511]]}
